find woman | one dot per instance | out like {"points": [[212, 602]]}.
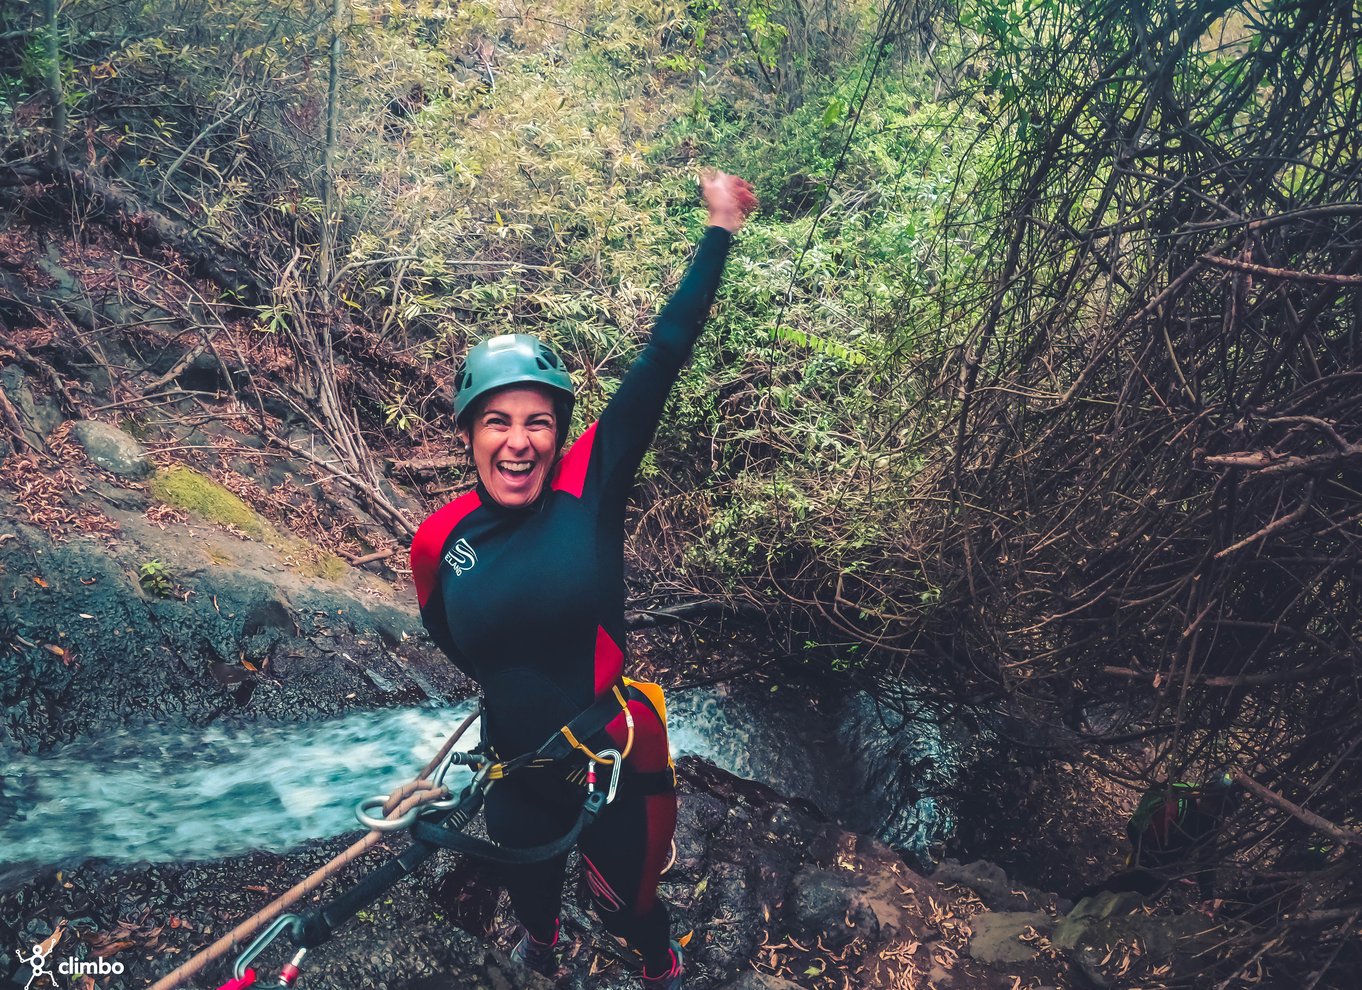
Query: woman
{"points": [[521, 583]]}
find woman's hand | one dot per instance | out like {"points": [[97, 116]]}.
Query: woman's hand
{"points": [[729, 198]]}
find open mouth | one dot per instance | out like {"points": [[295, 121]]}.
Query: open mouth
{"points": [[515, 471]]}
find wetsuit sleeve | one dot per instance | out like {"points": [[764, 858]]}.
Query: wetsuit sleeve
{"points": [[630, 419]]}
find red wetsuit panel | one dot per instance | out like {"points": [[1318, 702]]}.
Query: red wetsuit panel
{"points": [[571, 474], [428, 543]]}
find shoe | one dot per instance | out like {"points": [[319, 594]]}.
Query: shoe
{"points": [[672, 979], [534, 954]]}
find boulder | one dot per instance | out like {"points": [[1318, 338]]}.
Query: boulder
{"points": [[991, 884], [1089, 910], [998, 935], [830, 905], [112, 449], [1128, 947]]}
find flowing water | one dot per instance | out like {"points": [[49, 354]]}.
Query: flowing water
{"points": [[162, 794]]}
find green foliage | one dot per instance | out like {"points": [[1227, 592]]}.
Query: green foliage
{"points": [[537, 175], [155, 579]]}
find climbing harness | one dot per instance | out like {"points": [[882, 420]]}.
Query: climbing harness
{"points": [[436, 820]]}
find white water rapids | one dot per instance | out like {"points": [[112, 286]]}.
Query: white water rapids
{"points": [[170, 794]]}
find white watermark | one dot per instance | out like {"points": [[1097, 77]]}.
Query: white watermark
{"points": [[38, 960]]}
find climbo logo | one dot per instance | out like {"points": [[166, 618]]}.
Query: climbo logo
{"points": [[37, 962], [461, 557]]}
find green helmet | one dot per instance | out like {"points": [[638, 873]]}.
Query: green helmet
{"points": [[512, 359]]}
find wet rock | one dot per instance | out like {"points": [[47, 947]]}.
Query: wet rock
{"points": [[379, 681], [177, 659], [824, 905], [1128, 947], [991, 884], [424, 685], [1088, 962], [1090, 910], [997, 935], [112, 449], [394, 627], [759, 981], [271, 614]]}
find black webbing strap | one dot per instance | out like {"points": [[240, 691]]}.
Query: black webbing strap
{"points": [[592, 720], [445, 838], [316, 926], [654, 782]]}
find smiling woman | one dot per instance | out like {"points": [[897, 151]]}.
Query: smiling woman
{"points": [[521, 583], [514, 439]]}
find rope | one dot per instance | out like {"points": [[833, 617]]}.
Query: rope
{"points": [[403, 799]]}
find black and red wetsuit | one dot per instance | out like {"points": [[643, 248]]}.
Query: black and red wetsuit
{"points": [[529, 602]]}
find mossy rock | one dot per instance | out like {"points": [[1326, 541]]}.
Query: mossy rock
{"points": [[189, 490], [325, 565]]}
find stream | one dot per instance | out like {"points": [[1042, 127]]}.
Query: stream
{"points": [[165, 794]]}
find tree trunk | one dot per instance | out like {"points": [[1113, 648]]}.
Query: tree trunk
{"points": [[56, 152], [330, 222]]}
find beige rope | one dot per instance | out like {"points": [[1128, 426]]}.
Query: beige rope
{"points": [[402, 800]]}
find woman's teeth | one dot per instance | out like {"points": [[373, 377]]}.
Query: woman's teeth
{"points": [[516, 467]]}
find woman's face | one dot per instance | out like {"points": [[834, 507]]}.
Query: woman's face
{"points": [[515, 442]]}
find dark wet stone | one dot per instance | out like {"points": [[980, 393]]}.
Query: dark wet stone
{"points": [[379, 681], [271, 614], [823, 904], [1091, 910]]}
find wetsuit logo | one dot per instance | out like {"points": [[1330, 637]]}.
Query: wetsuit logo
{"points": [[461, 557]]}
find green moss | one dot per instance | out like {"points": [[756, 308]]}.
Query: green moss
{"points": [[325, 565], [189, 490]]}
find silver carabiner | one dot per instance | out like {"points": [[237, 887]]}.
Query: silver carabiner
{"points": [[615, 765], [384, 824], [244, 960], [454, 800]]}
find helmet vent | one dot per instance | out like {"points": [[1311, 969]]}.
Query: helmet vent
{"points": [[547, 359]]}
